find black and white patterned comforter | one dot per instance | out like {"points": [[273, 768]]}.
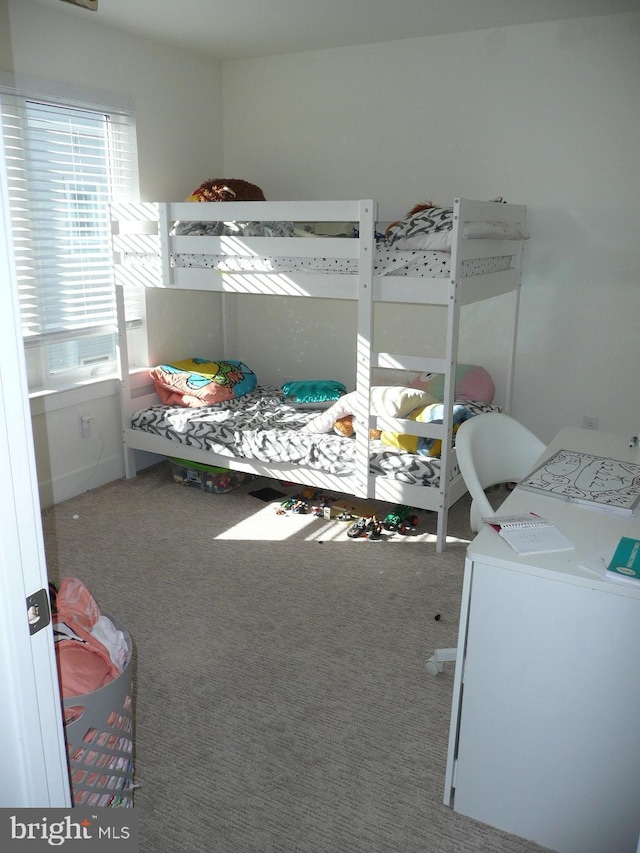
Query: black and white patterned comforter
{"points": [[259, 426]]}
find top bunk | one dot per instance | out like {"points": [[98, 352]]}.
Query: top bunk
{"points": [[467, 252]]}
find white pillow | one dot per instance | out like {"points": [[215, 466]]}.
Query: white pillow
{"points": [[395, 401]]}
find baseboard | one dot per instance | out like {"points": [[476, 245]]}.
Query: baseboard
{"points": [[72, 483]]}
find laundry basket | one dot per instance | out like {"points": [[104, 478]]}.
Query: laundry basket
{"points": [[99, 736]]}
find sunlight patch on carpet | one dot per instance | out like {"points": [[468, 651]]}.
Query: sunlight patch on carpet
{"points": [[268, 525]]}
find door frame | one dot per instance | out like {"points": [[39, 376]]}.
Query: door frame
{"points": [[32, 741]]}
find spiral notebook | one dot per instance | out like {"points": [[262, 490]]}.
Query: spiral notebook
{"points": [[530, 533]]}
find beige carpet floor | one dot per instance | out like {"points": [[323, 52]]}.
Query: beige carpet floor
{"points": [[281, 700]]}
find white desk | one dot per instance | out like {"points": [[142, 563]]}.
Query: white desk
{"points": [[545, 738]]}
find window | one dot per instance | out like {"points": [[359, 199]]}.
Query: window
{"points": [[66, 163]]}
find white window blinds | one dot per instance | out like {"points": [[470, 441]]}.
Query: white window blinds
{"points": [[65, 164]]}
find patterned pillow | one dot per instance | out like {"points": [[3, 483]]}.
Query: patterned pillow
{"points": [[195, 382], [313, 393], [423, 230]]}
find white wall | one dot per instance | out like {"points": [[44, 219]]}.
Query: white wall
{"points": [[178, 100], [546, 114], [6, 55], [178, 139]]}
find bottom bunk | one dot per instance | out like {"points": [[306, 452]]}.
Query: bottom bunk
{"points": [[261, 434]]}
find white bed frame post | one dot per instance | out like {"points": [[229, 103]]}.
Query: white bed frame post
{"points": [[515, 319], [364, 343], [125, 381], [134, 232], [165, 254], [451, 364]]}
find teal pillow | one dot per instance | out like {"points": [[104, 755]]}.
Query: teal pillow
{"points": [[313, 393]]}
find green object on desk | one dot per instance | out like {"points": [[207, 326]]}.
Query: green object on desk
{"points": [[625, 563]]}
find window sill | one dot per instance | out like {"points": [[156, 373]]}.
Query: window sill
{"points": [[51, 400]]}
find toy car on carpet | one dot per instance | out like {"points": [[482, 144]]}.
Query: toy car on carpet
{"points": [[369, 527], [400, 519]]}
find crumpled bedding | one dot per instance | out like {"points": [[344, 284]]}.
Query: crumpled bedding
{"points": [[234, 229], [259, 426], [265, 229]]}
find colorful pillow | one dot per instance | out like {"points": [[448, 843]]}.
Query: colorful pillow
{"points": [[428, 229], [419, 444], [195, 382], [313, 393], [473, 382]]}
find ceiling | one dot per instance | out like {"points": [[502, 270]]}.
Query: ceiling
{"points": [[237, 29]]}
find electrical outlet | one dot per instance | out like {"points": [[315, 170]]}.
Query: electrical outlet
{"points": [[84, 425], [589, 422]]}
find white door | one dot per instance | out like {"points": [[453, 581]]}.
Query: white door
{"points": [[34, 768]]}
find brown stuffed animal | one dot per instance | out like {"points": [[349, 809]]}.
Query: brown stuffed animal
{"points": [[344, 426], [227, 189]]}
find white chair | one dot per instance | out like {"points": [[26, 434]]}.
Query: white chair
{"points": [[491, 448]]}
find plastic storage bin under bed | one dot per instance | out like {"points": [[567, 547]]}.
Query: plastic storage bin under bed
{"points": [[209, 478]]}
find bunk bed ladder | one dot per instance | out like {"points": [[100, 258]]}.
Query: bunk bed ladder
{"points": [[363, 479]]}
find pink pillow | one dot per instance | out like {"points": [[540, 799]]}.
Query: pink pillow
{"points": [[472, 383]]}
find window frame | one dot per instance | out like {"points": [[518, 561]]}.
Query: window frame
{"points": [[18, 90]]}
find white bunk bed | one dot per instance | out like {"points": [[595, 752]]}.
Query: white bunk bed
{"points": [[149, 251]]}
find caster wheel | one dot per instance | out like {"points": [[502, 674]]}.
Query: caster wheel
{"points": [[433, 667]]}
